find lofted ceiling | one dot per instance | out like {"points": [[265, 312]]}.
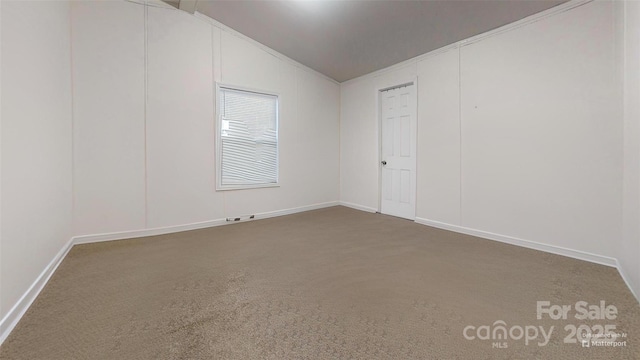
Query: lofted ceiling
{"points": [[349, 38]]}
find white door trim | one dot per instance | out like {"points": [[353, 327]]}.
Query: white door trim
{"points": [[402, 82]]}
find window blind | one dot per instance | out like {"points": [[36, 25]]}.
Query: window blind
{"points": [[248, 137]]}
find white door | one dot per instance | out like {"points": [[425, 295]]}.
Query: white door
{"points": [[398, 151]]}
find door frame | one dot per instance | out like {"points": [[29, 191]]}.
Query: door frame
{"points": [[407, 81]]}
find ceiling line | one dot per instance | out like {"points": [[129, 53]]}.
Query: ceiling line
{"points": [[262, 46], [556, 10]]}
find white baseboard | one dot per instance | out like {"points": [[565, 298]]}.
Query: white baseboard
{"points": [[624, 276], [270, 214], [87, 239], [358, 207], [20, 308], [576, 254], [121, 235]]}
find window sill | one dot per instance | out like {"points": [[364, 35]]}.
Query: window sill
{"points": [[245, 187]]}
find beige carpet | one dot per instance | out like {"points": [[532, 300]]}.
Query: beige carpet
{"points": [[327, 284]]}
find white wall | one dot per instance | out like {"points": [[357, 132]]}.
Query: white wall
{"points": [[180, 126], [541, 143], [517, 135], [108, 91], [438, 193], [36, 198], [629, 252], [317, 144], [150, 162], [359, 144]]}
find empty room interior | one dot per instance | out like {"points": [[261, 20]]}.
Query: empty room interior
{"points": [[309, 179]]}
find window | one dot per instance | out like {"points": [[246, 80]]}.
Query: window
{"points": [[247, 138]]}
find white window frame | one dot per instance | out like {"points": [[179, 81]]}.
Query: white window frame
{"points": [[218, 139]]}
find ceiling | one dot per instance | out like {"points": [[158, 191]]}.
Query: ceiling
{"points": [[349, 38]]}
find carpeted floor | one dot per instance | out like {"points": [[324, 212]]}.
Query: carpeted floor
{"points": [[334, 283]]}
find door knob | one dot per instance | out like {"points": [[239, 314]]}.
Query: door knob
{"points": [[384, 162]]}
